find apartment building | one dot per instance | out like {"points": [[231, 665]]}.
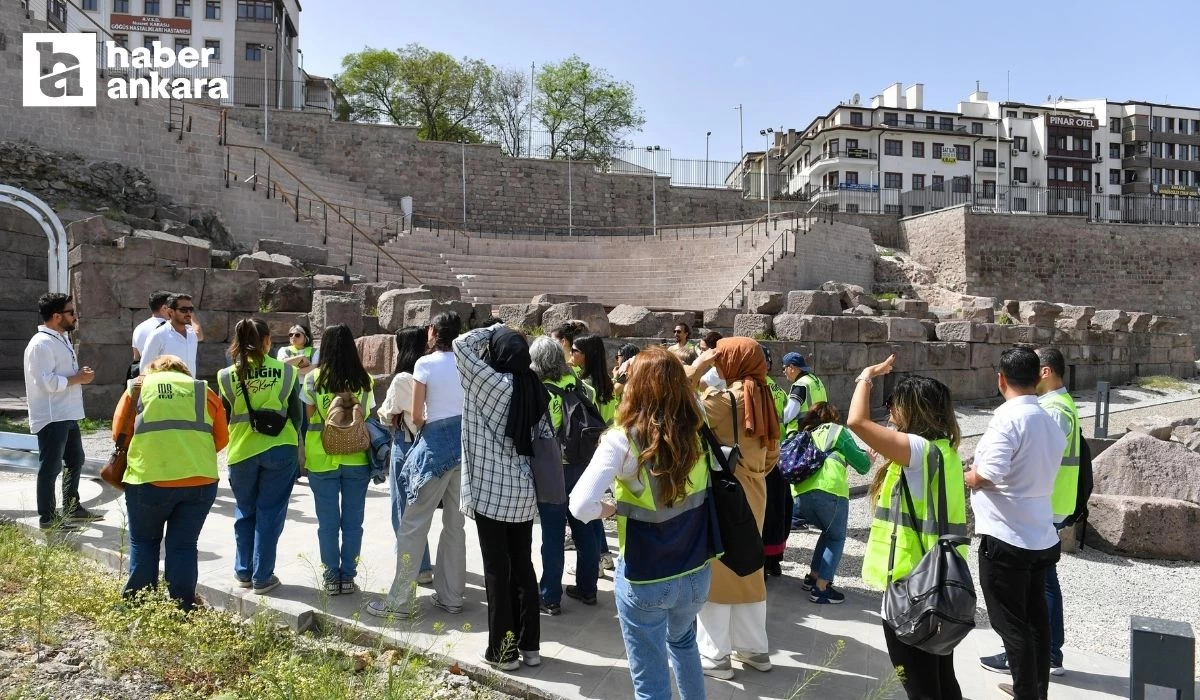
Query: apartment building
{"points": [[236, 32]]}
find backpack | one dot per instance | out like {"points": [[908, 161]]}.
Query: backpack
{"points": [[345, 430], [1084, 489], [581, 426], [800, 458]]}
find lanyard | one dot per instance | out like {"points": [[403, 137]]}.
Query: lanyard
{"points": [[74, 359]]}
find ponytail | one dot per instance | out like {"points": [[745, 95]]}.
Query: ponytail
{"points": [[248, 346]]}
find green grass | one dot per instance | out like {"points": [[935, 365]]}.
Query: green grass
{"points": [[764, 336], [91, 425], [50, 593], [8, 424], [888, 252], [534, 332], [886, 296], [1004, 319], [1162, 382]]}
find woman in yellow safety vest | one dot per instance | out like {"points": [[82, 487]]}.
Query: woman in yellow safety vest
{"points": [[299, 352], [338, 482], [923, 413], [178, 426], [587, 357], [653, 460], [262, 467]]}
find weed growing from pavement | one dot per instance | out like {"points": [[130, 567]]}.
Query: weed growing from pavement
{"points": [[1162, 382], [810, 680]]}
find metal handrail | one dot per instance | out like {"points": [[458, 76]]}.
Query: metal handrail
{"points": [[740, 285]]}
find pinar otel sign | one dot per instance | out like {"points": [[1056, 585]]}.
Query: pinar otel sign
{"points": [[150, 25], [1071, 121]]}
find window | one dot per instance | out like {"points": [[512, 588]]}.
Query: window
{"points": [[832, 146], [856, 119], [1195, 152], [961, 184], [1011, 114], [963, 153], [976, 128], [851, 143], [181, 42], [936, 151], [1196, 126], [918, 182], [121, 6], [215, 45], [892, 209], [255, 10], [893, 181], [1156, 150], [1082, 175], [1114, 125], [1056, 172], [121, 40], [1156, 124], [1030, 115], [1131, 176], [892, 147], [946, 123], [1058, 142], [918, 149], [183, 8], [1020, 175], [1020, 204], [88, 4], [148, 41], [989, 157], [891, 118], [1114, 202], [989, 189], [851, 177], [909, 119], [939, 183], [1083, 143], [150, 7], [1021, 143], [253, 52], [1170, 125], [212, 9], [1114, 150], [1114, 177], [929, 122]]}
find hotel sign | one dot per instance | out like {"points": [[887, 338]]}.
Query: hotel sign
{"points": [[858, 153], [949, 155], [1071, 121], [150, 25], [1178, 190]]}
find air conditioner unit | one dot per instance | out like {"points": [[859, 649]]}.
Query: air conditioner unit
{"points": [[1037, 183], [1099, 189], [1036, 153], [1016, 152]]}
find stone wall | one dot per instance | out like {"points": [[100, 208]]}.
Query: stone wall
{"points": [[884, 228], [23, 268], [1062, 258], [825, 252], [502, 192]]}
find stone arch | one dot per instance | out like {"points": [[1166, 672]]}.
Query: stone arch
{"points": [[56, 235]]}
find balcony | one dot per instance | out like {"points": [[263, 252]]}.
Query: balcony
{"points": [[856, 153], [1137, 188], [922, 126], [989, 164], [1078, 155], [1142, 161]]}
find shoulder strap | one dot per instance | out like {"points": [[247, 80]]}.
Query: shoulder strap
{"points": [[733, 409], [245, 391], [941, 515]]}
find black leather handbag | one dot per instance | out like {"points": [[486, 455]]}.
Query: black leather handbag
{"points": [[267, 423], [933, 607], [741, 539]]}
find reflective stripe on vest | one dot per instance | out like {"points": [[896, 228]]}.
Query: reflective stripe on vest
{"points": [[200, 422], [1066, 482], [172, 435], [913, 536], [831, 476], [662, 542], [815, 393], [270, 385]]}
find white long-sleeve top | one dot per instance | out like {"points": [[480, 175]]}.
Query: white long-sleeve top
{"points": [[399, 402], [49, 362], [614, 459]]}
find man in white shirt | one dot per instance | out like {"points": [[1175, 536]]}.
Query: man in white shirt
{"points": [[158, 317], [54, 392], [175, 337], [1016, 463]]}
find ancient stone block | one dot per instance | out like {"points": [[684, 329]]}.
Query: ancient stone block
{"points": [[1165, 324], [872, 330], [904, 351], [978, 309], [443, 292], [99, 400], [1110, 320], [105, 331], [481, 315], [845, 329], [1139, 321], [905, 329], [268, 265], [370, 324], [628, 321], [850, 295], [1075, 317], [1039, 313], [813, 302], [109, 361], [958, 355], [370, 291], [721, 317], [92, 289], [590, 313], [229, 290], [90, 230], [521, 315], [1012, 307], [331, 308], [218, 325], [791, 326], [836, 358], [297, 252], [911, 308], [390, 306], [1184, 354], [377, 352], [1148, 528], [281, 322], [985, 355], [962, 331], [765, 302], [553, 299], [421, 312], [753, 325]]}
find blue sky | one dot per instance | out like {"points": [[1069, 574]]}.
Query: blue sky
{"points": [[692, 63]]}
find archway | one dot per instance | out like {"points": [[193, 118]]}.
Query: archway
{"points": [[56, 235]]}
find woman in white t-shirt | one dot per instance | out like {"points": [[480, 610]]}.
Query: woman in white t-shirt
{"points": [[430, 475]]}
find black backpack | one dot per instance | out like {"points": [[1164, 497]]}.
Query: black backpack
{"points": [[1084, 490], [581, 426]]}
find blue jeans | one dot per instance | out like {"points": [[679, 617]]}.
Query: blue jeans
{"points": [[555, 518], [1054, 605], [181, 512], [261, 487], [831, 514], [340, 497], [400, 448], [658, 620], [58, 442]]}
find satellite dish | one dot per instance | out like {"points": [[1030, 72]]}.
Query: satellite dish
{"points": [[856, 99]]}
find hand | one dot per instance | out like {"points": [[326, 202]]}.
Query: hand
{"points": [[86, 375], [880, 369], [607, 509]]}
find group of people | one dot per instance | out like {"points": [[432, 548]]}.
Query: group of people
{"points": [[467, 413]]}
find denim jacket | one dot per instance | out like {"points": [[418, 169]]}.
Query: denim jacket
{"points": [[438, 450]]}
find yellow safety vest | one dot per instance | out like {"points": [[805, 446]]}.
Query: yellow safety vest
{"points": [[290, 352], [658, 542], [912, 535], [172, 433], [816, 392], [1066, 484], [270, 385], [315, 459], [831, 477]]}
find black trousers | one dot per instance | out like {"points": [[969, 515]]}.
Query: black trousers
{"points": [[925, 676], [58, 443], [1014, 587], [512, 587]]}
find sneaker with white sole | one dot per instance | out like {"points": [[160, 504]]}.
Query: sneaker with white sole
{"points": [[1056, 669], [531, 658], [380, 608], [425, 578], [452, 609], [267, 586], [758, 662], [606, 561], [808, 583], [721, 670], [829, 596], [996, 664], [510, 665], [242, 583]]}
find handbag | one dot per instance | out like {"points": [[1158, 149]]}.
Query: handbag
{"points": [[933, 607], [546, 467], [741, 539], [113, 471], [267, 423]]}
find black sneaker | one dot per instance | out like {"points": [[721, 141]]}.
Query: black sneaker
{"points": [[551, 609], [996, 664], [57, 522], [573, 592], [829, 596], [83, 515], [808, 583]]}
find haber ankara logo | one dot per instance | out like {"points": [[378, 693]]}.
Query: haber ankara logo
{"points": [[58, 70]]}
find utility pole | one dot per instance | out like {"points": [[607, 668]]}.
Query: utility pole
{"points": [[767, 134], [741, 133], [529, 154], [463, 146], [266, 84], [707, 138], [998, 117]]}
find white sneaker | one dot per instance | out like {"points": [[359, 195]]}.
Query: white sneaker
{"points": [[758, 662], [1057, 670], [512, 665], [531, 658], [721, 670], [424, 578]]}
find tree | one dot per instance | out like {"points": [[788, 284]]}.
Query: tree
{"points": [[507, 110], [585, 110], [440, 95]]}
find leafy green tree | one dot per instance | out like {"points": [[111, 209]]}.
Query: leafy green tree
{"points": [[371, 83], [585, 110], [507, 110]]}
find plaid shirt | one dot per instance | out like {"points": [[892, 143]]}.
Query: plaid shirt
{"points": [[496, 481]]}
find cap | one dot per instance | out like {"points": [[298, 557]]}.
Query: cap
{"points": [[796, 360]]}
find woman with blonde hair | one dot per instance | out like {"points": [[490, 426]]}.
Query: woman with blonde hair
{"points": [[926, 435], [657, 467], [178, 426], [734, 621]]}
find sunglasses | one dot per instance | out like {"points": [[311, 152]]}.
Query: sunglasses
{"points": [[679, 332], [186, 309], [295, 335]]}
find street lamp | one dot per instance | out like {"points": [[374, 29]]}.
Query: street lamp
{"points": [[768, 135], [653, 192], [462, 145], [707, 137], [266, 117]]}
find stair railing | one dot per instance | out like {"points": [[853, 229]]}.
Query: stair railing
{"points": [[736, 299]]}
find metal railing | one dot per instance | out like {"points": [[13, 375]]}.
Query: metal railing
{"points": [[737, 297]]}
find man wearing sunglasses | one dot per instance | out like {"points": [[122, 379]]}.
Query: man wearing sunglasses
{"points": [[54, 391], [176, 336]]}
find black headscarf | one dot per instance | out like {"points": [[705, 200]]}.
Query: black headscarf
{"points": [[508, 352]]}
